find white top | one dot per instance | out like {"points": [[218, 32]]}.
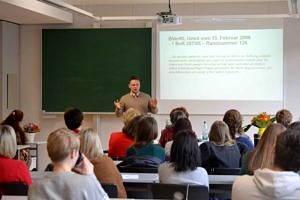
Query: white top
{"points": [[167, 174], [268, 185], [168, 147]]}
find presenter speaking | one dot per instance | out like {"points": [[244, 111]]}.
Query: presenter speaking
{"points": [[135, 99]]}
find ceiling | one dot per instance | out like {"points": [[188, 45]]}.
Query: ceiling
{"points": [[32, 12], [97, 2], [39, 12]]}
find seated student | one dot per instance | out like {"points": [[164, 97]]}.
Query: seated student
{"points": [[120, 141], [11, 170], [146, 133], [281, 181], [73, 119], [234, 120], [14, 119], [220, 151], [184, 161], [104, 167], [180, 124], [167, 133], [64, 183], [262, 157], [284, 117]]}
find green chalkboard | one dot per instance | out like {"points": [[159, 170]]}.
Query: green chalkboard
{"points": [[90, 68]]}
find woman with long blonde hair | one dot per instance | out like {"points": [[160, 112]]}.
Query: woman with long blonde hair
{"points": [[262, 157], [104, 167]]}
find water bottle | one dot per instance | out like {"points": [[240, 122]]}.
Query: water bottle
{"points": [[205, 131]]}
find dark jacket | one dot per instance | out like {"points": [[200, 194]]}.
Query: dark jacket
{"points": [[214, 156]]}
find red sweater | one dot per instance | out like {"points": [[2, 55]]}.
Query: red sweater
{"points": [[166, 136], [14, 171], [119, 142]]}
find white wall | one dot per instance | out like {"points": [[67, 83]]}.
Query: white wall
{"points": [[30, 59], [9, 62]]}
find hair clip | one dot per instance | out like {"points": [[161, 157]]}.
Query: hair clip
{"points": [[14, 113]]}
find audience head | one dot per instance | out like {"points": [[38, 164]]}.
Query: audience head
{"points": [[287, 151], [177, 113], [129, 115], [182, 124], [146, 131], [60, 144], [185, 153], [234, 121], [219, 134], [90, 144], [73, 118], [131, 129], [294, 125], [8, 144], [284, 117], [262, 156], [14, 119]]}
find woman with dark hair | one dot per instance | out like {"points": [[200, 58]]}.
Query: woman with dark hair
{"points": [[284, 117], [180, 124], [220, 151], [13, 120], [184, 161], [262, 156], [167, 133], [234, 120], [146, 133]]}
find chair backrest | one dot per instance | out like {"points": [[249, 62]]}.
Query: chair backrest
{"points": [[179, 191], [199, 192], [139, 164], [110, 189], [225, 171], [49, 167], [13, 188], [129, 169]]}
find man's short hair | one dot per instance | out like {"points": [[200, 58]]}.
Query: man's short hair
{"points": [[287, 150], [73, 118], [61, 143], [133, 77]]}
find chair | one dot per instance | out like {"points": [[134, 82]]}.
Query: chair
{"points": [[49, 167], [139, 164], [130, 169], [179, 191], [13, 188], [225, 171], [110, 189]]}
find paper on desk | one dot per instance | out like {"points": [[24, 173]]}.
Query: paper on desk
{"points": [[130, 176]]}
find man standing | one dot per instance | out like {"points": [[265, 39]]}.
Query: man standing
{"points": [[135, 99]]}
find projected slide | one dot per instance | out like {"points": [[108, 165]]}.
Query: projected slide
{"points": [[235, 65]]}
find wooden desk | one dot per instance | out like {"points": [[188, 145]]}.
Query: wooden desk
{"points": [[36, 175], [35, 146], [138, 185], [140, 177], [153, 178]]}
